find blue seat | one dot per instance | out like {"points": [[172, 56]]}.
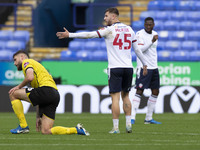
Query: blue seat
{"points": [[165, 55], [84, 55], [185, 5], [158, 25], [6, 55], [164, 35], [189, 45], [68, 55], [187, 25], [197, 5], [103, 46], [171, 25], [76, 45], [181, 55], [194, 35], [172, 45], [146, 14], [197, 25], [15, 45], [154, 5], [169, 5], [195, 55], [99, 56], [163, 15], [133, 55], [6, 35], [193, 15], [92, 45], [137, 25], [179, 35], [21, 35], [161, 45], [179, 15], [2, 44]]}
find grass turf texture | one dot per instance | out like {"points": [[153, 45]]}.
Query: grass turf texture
{"points": [[177, 132]]}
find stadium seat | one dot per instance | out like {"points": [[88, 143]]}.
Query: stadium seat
{"points": [[163, 15], [76, 45], [165, 55], [6, 55], [197, 25], [99, 55], [103, 46], [161, 45], [2, 44], [6, 35], [171, 25], [137, 25], [194, 35], [197, 6], [133, 55], [195, 55], [92, 45], [169, 5], [146, 14], [164, 35], [185, 5], [189, 45], [193, 15], [84, 55], [178, 15], [154, 5], [179, 35], [172, 45], [181, 55], [15, 45], [21, 36], [187, 25], [158, 25], [68, 55]]}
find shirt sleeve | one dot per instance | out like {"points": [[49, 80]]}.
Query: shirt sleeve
{"points": [[141, 44], [25, 65], [84, 35]]}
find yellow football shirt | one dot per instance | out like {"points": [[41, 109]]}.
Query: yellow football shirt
{"points": [[41, 75]]}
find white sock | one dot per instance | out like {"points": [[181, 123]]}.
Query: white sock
{"points": [[150, 107], [128, 120], [116, 123], [136, 104]]}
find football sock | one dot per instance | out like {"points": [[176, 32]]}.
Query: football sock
{"points": [[18, 109], [150, 106], [63, 130], [116, 123], [135, 104], [128, 120]]}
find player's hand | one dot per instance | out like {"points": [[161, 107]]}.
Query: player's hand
{"points": [[62, 35], [13, 90], [145, 70], [38, 124], [155, 37]]}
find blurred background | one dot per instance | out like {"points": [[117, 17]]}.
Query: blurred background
{"points": [[79, 65]]}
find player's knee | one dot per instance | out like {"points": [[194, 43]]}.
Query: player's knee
{"points": [[45, 131]]}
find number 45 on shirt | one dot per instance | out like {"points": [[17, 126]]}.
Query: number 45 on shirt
{"points": [[121, 42]]}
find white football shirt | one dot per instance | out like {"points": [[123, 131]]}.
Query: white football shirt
{"points": [[148, 48]]}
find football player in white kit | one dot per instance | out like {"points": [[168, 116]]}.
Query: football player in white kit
{"points": [[147, 41], [119, 39]]}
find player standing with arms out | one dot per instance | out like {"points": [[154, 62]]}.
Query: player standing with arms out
{"points": [[119, 38], [44, 95], [147, 41]]}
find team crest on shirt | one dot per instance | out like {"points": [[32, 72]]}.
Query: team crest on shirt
{"points": [[140, 85], [25, 64]]}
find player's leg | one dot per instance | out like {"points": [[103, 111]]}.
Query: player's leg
{"points": [[17, 106]]}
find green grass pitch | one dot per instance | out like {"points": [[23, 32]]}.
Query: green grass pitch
{"points": [[177, 132]]}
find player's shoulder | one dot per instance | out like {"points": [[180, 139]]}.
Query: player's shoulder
{"points": [[154, 32], [140, 32]]}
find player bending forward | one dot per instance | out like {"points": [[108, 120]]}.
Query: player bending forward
{"points": [[43, 94]]}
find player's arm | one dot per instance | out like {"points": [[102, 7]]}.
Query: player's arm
{"points": [[82, 35], [145, 46], [29, 77]]}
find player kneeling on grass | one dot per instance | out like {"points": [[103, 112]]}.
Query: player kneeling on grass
{"points": [[43, 94]]}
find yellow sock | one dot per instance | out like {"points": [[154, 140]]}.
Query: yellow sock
{"points": [[19, 111], [63, 130]]}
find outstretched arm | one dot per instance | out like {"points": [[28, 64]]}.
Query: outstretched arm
{"points": [[82, 35]]}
